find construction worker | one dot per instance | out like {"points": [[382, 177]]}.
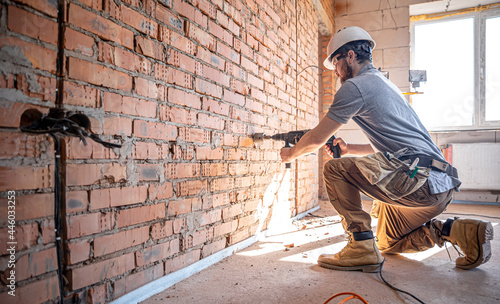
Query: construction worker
{"points": [[401, 169]]}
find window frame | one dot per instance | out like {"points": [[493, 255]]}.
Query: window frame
{"points": [[479, 121]]}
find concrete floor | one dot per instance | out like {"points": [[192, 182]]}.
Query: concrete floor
{"points": [[283, 269]]}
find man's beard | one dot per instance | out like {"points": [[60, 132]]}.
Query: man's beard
{"points": [[347, 72]]}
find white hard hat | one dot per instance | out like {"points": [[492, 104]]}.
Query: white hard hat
{"points": [[343, 36]]}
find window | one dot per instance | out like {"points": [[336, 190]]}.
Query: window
{"points": [[461, 57]]}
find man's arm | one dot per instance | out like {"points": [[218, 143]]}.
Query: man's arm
{"points": [[353, 149], [312, 140]]}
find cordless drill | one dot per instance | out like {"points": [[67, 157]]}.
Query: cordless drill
{"points": [[293, 137]]}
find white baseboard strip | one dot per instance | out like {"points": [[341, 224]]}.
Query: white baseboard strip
{"points": [[159, 285]]}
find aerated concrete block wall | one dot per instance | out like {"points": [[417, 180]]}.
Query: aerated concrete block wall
{"points": [[182, 85]]}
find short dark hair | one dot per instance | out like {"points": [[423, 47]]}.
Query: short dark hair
{"points": [[362, 48]]}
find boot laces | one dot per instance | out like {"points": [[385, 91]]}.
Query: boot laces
{"points": [[349, 242], [456, 249]]}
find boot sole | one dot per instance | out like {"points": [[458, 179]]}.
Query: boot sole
{"points": [[364, 268], [484, 235]]}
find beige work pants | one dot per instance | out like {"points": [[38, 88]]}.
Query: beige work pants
{"points": [[401, 224]]}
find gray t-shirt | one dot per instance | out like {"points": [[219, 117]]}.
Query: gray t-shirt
{"points": [[388, 120]]}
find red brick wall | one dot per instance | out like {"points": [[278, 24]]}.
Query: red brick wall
{"points": [[182, 85]]}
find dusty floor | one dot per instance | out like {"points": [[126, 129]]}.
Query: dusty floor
{"points": [[272, 271]]}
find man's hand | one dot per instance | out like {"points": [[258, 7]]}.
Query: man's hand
{"points": [[342, 145], [286, 155]]}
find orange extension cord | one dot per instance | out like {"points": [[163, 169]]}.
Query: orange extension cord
{"points": [[353, 296]]}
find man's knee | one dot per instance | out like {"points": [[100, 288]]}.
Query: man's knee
{"points": [[334, 166]]}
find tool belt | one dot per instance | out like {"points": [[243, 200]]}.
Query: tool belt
{"points": [[434, 164], [391, 175]]}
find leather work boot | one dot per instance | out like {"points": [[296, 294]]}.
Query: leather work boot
{"points": [[473, 237], [360, 253]]}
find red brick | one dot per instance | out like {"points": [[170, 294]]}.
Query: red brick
{"points": [[148, 150], [36, 263], [95, 4], [210, 58], [93, 150], [236, 71], [135, 280], [256, 82], [117, 241], [211, 217], [160, 191], [214, 106], [30, 206], [78, 251], [117, 126], [189, 188], [228, 52], [87, 224], [128, 105], [98, 75], [178, 115], [154, 130], [239, 236], [181, 206], [167, 17], [156, 253], [40, 57], [77, 201], [21, 178], [203, 236], [114, 173], [225, 228], [25, 235], [148, 172], [210, 122], [123, 58], [185, 9], [40, 291], [173, 76], [214, 75], [220, 33], [182, 61], [183, 98], [113, 197], [162, 230], [78, 42], [138, 21], [82, 174], [21, 144], [182, 261], [239, 86], [176, 40], [47, 227], [214, 247], [194, 135], [200, 35], [182, 170], [45, 6], [207, 153], [145, 87], [234, 98], [140, 215], [32, 25], [211, 170], [149, 48], [80, 95], [100, 26], [97, 272], [208, 88], [221, 184], [98, 294]]}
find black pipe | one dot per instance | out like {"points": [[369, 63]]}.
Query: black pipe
{"points": [[57, 214]]}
